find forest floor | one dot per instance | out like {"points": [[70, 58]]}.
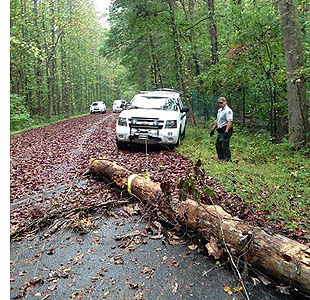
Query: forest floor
{"points": [[59, 215]]}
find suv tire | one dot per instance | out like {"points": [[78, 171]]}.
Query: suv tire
{"points": [[183, 133], [121, 145]]}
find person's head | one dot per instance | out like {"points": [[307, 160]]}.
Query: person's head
{"points": [[221, 102]]}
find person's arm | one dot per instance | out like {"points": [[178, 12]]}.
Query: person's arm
{"points": [[213, 128], [229, 125], [214, 125]]}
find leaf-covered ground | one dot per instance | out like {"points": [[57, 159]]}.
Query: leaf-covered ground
{"points": [[47, 166]]}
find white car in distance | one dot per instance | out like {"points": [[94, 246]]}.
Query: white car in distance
{"points": [[155, 117], [98, 107]]}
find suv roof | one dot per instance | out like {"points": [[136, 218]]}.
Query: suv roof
{"points": [[162, 93], [163, 90]]}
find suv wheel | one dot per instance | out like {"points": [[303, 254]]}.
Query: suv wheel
{"points": [[177, 144], [121, 145], [183, 133]]}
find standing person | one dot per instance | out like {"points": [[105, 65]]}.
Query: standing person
{"points": [[223, 125]]}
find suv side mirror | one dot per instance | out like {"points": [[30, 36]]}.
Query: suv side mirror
{"points": [[184, 109]]}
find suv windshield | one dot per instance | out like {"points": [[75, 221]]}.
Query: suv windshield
{"points": [[151, 102]]}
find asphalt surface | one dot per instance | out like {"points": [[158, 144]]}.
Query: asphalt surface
{"points": [[97, 265], [100, 265]]}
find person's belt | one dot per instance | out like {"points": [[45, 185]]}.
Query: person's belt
{"points": [[222, 129]]}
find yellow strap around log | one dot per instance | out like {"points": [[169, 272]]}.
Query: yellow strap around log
{"points": [[130, 179]]}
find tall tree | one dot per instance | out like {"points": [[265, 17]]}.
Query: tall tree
{"points": [[213, 32], [294, 62]]}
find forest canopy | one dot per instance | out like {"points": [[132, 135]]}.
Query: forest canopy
{"points": [[62, 58], [210, 48]]}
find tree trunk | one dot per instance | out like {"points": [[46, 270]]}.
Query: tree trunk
{"points": [[213, 32], [38, 71], [277, 256], [177, 48], [141, 187], [47, 72], [155, 65], [53, 62], [188, 17], [64, 81], [178, 57], [294, 61]]}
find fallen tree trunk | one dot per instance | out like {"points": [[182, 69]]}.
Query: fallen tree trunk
{"points": [[136, 185], [277, 256]]}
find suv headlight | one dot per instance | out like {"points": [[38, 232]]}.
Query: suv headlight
{"points": [[122, 122], [171, 124]]}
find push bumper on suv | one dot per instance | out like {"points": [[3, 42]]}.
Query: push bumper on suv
{"points": [[152, 129]]}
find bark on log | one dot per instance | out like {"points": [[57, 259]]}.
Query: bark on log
{"points": [[141, 187], [277, 256]]}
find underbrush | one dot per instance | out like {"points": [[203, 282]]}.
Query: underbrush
{"points": [[274, 177]]}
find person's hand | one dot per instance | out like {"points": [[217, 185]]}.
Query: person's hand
{"points": [[212, 133]]}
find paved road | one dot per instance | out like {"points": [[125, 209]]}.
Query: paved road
{"points": [[66, 265]]}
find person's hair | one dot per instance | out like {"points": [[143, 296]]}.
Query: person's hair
{"points": [[221, 99]]}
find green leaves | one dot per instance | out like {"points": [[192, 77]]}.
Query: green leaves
{"points": [[19, 114]]}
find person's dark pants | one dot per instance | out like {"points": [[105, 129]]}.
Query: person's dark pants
{"points": [[222, 146]]}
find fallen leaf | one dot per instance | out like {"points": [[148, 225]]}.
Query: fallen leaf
{"points": [[74, 295], [139, 296], [228, 290], [77, 258], [117, 260], [193, 247], [94, 278], [22, 273], [175, 288], [173, 242], [213, 249], [237, 289], [146, 270], [133, 285], [96, 241], [51, 252], [129, 209]]}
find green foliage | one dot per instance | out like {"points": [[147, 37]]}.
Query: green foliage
{"points": [[39, 121], [19, 114], [250, 70], [62, 59], [55, 63], [273, 177]]}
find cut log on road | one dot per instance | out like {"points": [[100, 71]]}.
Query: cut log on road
{"points": [[136, 185], [277, 256]]}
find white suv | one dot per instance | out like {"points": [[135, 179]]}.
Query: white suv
{"points": [[156, 116], [98, 106], [119, 105]]}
